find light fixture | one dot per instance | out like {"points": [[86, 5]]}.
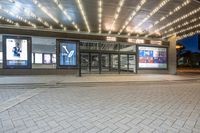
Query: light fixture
{"points": [[179, 19], [120, 4], [185, 30], [134, 12], [188, 34], [60, 6], [30, 13], [19, 17], [136, 41], [180, 26], [47, 13], [155, 10], [80, 5], [110, 38], [9, 21], [100, 3], [176, 9]]}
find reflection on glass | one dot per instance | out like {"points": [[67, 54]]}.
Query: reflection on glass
{"points": [[84, 62], [95, 62], [123, 62], [105, 62], [114, 62], [132, 64]]}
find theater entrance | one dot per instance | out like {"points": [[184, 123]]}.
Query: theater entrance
{"points": [[106, 62]]}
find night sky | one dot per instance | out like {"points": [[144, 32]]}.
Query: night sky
{"points": [[190, 43]]}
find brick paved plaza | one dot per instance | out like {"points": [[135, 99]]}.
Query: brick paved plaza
{"points": [[130, 107]]}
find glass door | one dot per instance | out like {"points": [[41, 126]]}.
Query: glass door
{"points": [[105, 63], [114, 60], [84, 62], [94, 62], [123, 63], [132, 63]]}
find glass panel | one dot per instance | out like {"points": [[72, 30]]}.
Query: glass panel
{"points": [[114, 62], [132, 63], [84, 46], [124, 62], [84, 62], [95, 62], [105, 62], [109, 47], [46, 46], [127, 48]]}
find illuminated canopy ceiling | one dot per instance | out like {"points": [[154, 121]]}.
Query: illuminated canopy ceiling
{"points": [[159, 18]]}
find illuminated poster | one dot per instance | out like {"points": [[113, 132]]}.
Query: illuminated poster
{"points": [[152, 57], [32, 57], [47, 58], [53, 58], [68, 53], [1, 57], [38, 58], [16, 52]]}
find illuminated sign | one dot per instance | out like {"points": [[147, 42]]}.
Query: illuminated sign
{"points": [[112, 39], [136, 41], [156, 42], [152, 57]]}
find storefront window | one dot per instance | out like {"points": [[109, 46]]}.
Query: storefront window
{"points": [[43, 52]]}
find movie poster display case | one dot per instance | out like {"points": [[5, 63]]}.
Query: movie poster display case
{"points": [[67, 52], [152, 57], [17, 52]]}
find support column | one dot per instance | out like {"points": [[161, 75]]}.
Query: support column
{"points": [[172, 55]]}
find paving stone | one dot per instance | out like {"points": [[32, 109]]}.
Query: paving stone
{"points": [[131, 108]]}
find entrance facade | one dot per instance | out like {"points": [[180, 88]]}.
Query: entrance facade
{"points": [[102, 58]]}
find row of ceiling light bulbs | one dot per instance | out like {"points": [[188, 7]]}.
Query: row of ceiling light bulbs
{"points": [[184, 30], [184, 24], [18, 17], [156, 9], [9, 21], [188, 35], [119, 8], [100, 14], [178, 8], [50, 15], [134, 12], [180, 26], [179, 19], [100, 10]]}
